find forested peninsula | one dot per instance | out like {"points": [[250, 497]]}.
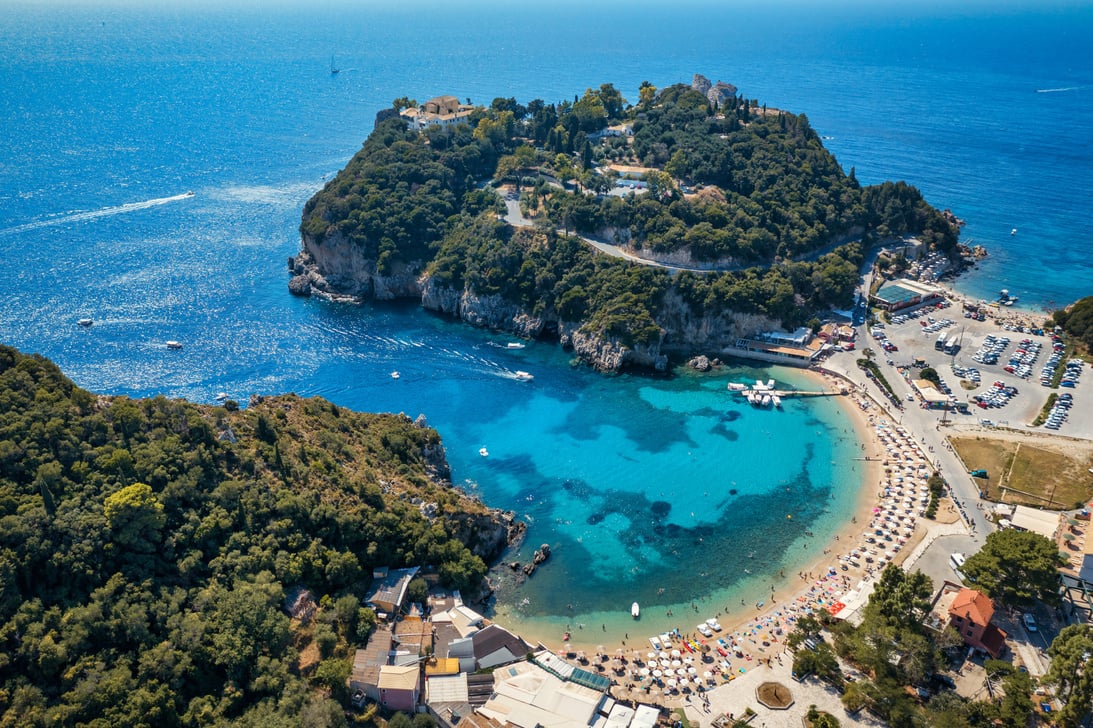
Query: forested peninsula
{"points": [[746, 222], [148, 548]]}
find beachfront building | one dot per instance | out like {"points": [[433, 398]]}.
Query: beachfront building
{"points": [[442, 111], [527, 695], [1045, 523], [788, 354], [970, 614], [487, 648], [931, 396], [904, 293]]}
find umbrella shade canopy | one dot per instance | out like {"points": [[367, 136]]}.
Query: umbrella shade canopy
{"points": [[1072, 522], [1069, 536]]}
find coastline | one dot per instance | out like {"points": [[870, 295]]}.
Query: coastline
{"points": [[774, 591]]}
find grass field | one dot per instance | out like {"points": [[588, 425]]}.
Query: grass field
{"points": [[1055, 475]]}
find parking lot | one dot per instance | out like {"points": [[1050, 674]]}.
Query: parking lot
{"points": [[996, 371]]}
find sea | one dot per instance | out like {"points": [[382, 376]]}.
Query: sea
{"points": [[661, 490]]}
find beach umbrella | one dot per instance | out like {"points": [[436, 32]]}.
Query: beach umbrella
{"points": [[658, 674], [675, 653], [644, 671], [1069, 536]]}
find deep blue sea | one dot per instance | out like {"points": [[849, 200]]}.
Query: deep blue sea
{"points": [[111, 112]]}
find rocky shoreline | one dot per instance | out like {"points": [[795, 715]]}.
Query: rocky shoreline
{"points": [[334, 270]]}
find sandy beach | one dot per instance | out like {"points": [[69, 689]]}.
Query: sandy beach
{"points": [[885, 526], [668, 668]]}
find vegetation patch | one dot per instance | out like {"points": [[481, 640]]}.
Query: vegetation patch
{"points": [[148, 547], [1035, 475]]}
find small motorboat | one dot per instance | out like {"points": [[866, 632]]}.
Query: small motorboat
{"points": [[635, 610], [395, 375], [85, 322], [521, 376], [221, 396], [174, 344], [483, 452], [514, 345], [1013, 232]]}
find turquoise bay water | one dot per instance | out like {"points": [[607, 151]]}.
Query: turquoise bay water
{"points": [[110, 112]]}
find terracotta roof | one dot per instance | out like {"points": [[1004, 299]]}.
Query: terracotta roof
{"points": [[973, 606], [994, 640]]}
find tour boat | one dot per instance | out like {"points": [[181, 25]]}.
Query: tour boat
{"points": [[85, 322], [635, 610], [174, 345], [483, 452], [514, 345], [766, 400], [523, 376], [777, 400], [737, 387], [395, 375]]}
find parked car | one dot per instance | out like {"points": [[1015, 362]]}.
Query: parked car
{"points": [[1030, 622]]}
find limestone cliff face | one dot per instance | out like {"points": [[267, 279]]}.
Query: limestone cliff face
{"points": [[337, 270], [609, 354], [690, 331]]}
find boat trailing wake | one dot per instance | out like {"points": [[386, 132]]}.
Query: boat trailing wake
{"points": [[1057, 90], [85, 215]]}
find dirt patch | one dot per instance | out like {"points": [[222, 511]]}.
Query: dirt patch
{"points": [[1033, 471], [774, 695]]}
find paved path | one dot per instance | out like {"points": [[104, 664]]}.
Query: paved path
{"points": [[515, 217]]}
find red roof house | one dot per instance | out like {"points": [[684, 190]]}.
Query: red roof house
{"points": [[970, 615]]}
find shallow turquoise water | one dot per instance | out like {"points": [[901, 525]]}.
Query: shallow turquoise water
{"points": [[112, 111]]}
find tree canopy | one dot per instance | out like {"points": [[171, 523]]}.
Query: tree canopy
{"points": [[768, 195], [147, 547], [1071, 654], [1077, 321], [1016, 568]]}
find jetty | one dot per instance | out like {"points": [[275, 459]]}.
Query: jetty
{"points": [[783, 393]]}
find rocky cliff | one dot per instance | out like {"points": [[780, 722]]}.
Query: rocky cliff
{"points": [[333, 270]]}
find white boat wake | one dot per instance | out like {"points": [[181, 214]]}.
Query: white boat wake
{"points": [[1057, 90], [85, 215]]}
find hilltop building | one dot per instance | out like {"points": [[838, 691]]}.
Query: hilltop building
{"points": [[442, 111]]}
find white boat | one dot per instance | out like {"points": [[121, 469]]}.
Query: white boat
{"points": [[766, 400], [483, 452], [737, 387], [522, 376], [635, 610], [221, 396], [174, 344], [395, 375], [776, 400], [85, 322], [753, 398], [514, 345], [1013, 232]]}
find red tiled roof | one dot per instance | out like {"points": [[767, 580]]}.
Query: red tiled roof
{"points": [[973, 606], [993, 640]]}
